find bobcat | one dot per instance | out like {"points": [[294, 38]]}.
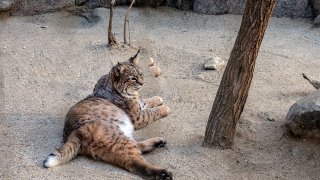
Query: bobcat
{"points": [[101, 125]]}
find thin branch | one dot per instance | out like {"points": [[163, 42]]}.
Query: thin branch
{"points": [[129, 33], [125, 23], [315, 84]]}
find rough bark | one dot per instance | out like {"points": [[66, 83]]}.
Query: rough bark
{"points": [[111, 38], [234, 87]]}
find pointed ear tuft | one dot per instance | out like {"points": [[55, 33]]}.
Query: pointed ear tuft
{"points": [[135, 59], [119, 69]]}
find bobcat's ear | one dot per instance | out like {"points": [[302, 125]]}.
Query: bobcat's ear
{"points": [[119, 69], [135, 59]]}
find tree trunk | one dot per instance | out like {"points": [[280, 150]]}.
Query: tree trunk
{"points": [[234, 87], [111, 38]]}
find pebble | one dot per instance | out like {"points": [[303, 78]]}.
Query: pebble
{"points": [[200, 76], [215, 63], [294, 152], [151, 62], [155, 70]]}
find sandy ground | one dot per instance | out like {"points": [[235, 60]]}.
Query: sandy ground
{"points": [[51, 61]]}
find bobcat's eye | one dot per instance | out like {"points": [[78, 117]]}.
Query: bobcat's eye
{"points": [[133, 79]]}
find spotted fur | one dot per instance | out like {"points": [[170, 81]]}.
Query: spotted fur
{"points": [[102, 124]]}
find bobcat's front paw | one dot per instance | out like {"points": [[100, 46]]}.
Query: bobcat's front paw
{"points": [[157, 100], [165, 110]]}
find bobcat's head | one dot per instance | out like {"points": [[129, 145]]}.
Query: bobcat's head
{"points": [[127, 77]]}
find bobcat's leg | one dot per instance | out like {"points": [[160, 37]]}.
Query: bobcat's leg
{"points": [[124, 153], [151, 102], [151, 143], [65, 153], [149, 115]]}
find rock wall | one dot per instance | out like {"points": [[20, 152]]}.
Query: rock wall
{"points": [[284, 8]]}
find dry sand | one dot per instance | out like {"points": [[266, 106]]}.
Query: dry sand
{"points": [[51, 61]]}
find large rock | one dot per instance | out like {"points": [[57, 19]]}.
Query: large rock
{"points": [[293, 8], [316, 6], [181, 4], [6, 5], [30, 7], [211, 6], [284, 8], [303, 118]]}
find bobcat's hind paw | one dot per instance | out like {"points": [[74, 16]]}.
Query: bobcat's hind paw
{"points": [[51, 161], [164, 175], [161, 142]]}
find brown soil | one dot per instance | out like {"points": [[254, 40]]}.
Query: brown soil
{"points": [[49, 62]]}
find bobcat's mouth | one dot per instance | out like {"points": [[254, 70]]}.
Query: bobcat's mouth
{"points": [[133, 90]]}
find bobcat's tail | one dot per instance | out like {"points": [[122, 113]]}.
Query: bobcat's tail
{"points": [[65, 153]]}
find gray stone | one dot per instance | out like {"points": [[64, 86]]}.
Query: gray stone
{"points": [[6, 5], [295, 151], [317, 21], [215, 63], [211, 6], [303, 118]]}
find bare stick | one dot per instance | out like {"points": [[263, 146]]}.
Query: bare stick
{"points": [[315, 84], [129, 33], [111, 38], [125, 23]]}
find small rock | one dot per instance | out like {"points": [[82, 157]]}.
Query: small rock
{"points": [[200, 76], [5, 5], [294, 152], [43, 26], [155, 70], [215, 63], [317, 21], [151, 62], [271, 119]]}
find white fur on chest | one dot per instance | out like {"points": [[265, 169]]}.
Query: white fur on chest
{"points": [[126, 126]]}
